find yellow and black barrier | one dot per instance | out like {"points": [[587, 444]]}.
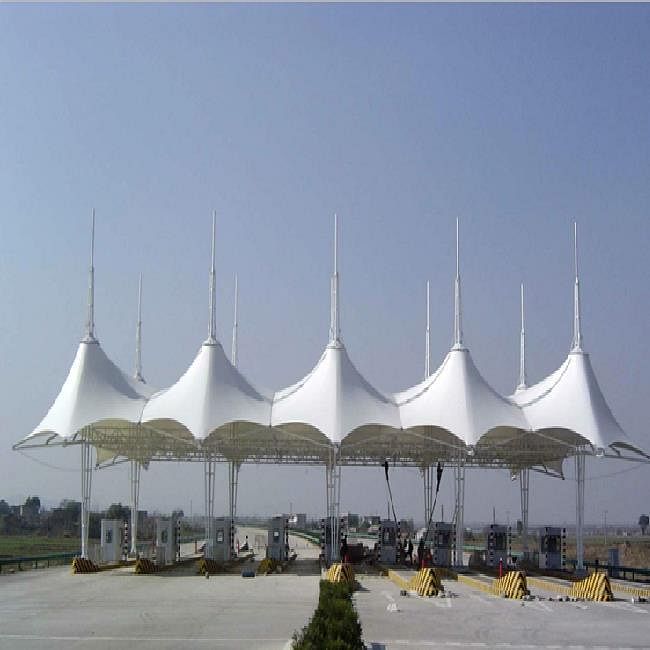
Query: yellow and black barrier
{"points": [[426, 582], [83, 565], [512, 585], [207, 565], [593, 587], [144, 566], [267, 565], [340, 573]]}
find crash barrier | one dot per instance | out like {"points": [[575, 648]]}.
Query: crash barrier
{"points": [[33, 560], [144, 565], [82, 565], [339, 572], [593, 587], [639, 592], [512, 585], [207, 565], [426, 582], [625, 572]]}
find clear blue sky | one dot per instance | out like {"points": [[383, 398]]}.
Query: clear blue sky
{"points": [[516, 118]]}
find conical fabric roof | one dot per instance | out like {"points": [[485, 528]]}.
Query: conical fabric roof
{"points": [[333, 399], [457, 400], [569, 406], [95, 390], [211, 394]]}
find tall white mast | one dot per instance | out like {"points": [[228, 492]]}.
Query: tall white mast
{"points": [[138, 335], [458, 325], [522, 347], [577, 330], [335, 326], [90, 322], [212, 331], [427, 341], [235, 325]]}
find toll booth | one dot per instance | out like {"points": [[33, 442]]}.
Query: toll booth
{"points": [[326, 537], [277, 547], [168, 548], [498, 545], [443, 542], [222, 545], [552, 548], [388, 536], [111, 540]]}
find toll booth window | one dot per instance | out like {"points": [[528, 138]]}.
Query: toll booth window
{"points": [[163, 536], [276, 535], [109, 536], [499, 542], [220, 536], [549, 544]]}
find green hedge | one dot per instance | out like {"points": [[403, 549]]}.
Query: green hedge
{"points": [[334, 625]]}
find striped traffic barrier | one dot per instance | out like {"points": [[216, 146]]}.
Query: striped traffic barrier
{"points": [[426, 582], [144, 566], [593, 587], [83, 565], [511, 585], [339, 572]]}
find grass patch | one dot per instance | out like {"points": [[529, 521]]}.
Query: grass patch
{"points": [[26, 545]]}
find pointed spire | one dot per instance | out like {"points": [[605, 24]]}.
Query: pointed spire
{"points": [[427, 341], [138, 336], [577, 330], [90, 322], [335, 326], [458, 325], [212, 331], [235, 325], [522, 347]]}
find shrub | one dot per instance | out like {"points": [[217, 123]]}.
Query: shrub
{"points": [[335, 623]]}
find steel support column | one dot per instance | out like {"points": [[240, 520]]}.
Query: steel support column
{"points": [[333, 489], [208, 482], [427, 476], [134, 476], [524, 482], [580, 510], [459, 475], [233, 484], [86, 484]]}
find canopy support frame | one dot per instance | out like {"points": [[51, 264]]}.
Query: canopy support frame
{"points": [[86, 484], [524, 484], [209, 466], [134, 478], [459, 493], [580, 459], [333, 490]]}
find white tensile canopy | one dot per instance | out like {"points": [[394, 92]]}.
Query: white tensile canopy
{"points": [[333, 415], [95, 392], [211, 395]]}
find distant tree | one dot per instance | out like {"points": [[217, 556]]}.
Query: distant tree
{"points": [[4, 507], [179, 514], [118, 511], [71, 507], [644, 521], [33, 502]]}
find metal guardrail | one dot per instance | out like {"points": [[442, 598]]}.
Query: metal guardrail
{"points": [[33, 560], [614, 570]]}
